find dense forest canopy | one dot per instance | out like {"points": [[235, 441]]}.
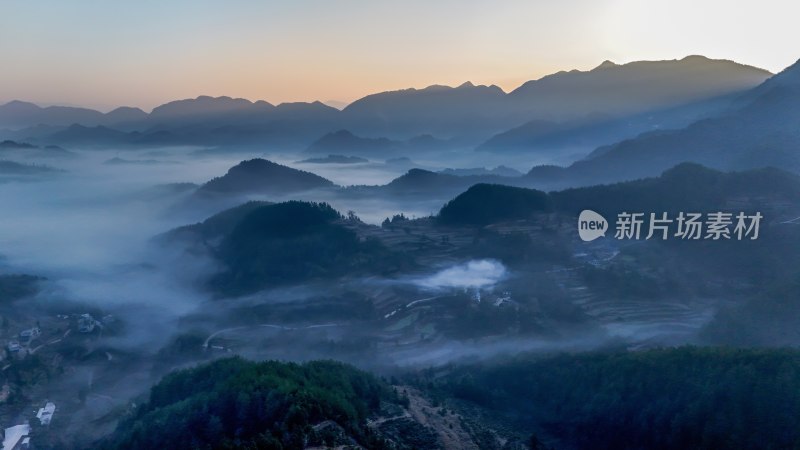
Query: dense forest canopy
{"points": [[290, 241], [685, 187], [233, 403], [701, 398], [486, 203]]}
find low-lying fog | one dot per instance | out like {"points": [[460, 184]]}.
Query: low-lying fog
{"points": [[88, 231], [470, 275]]}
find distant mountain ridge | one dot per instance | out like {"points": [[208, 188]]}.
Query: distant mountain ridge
{"points": [[624, 89], [334, 159], [473, 113], [26, 150], [684, 187], [343, 141], [610, 90], [762, 130]]}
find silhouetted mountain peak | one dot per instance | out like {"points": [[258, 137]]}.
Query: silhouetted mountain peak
{"points": [[315, 106], [696, 58], [657, 69], [202, 105], [342, 134], [605, 65], [126, 110], [485, 203], [21, 104], [17, 111], [417, 174], [688, 170], [634, 87], [431, 88], [254, 166], [261, 175], [126, 114]]}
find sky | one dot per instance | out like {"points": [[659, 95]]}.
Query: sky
{"points": [[103, 54]]}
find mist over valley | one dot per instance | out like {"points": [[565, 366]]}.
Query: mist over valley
{"points": [[406, 272]]}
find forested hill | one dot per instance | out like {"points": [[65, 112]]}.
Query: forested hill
{"points": [[676, 398], [233, 403], [483, 204], [680, 398], [685, 187], [291, 241]]}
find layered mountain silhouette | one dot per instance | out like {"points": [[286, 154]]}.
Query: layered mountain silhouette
{"points": [[125, 115], [762, 130], [483, 204], [343, 141], [609, 90], [471, 114], [19, 114], [502, 171], [215, 226], [635, 87], [96, 135], [9, 148], [685, 187], [436, 110], [205, 107], [548, 137], [334, 159], [14, 168], [435, 184]]}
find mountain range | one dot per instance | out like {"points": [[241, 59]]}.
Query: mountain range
{"points": [[609, 90], [469, 114], [343, 141], [761, 129]]}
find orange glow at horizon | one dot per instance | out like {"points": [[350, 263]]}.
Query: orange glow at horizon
{"points": [[107, 54]]}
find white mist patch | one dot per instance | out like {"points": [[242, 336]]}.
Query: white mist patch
{"points": [[476, 274], [88, 230]]}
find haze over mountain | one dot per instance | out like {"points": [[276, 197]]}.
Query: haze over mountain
{"points": [[425, 183], [334, 159], [600, 97], [687, 186], [399, 225], [635, 87], [260, 175], [437, 110], [548, 137], [609, 89], [19, 114], [762, 130], [9, 148], [344, 141]]}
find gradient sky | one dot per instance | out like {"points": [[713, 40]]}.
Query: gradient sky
{"points": [[142, 53]]}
